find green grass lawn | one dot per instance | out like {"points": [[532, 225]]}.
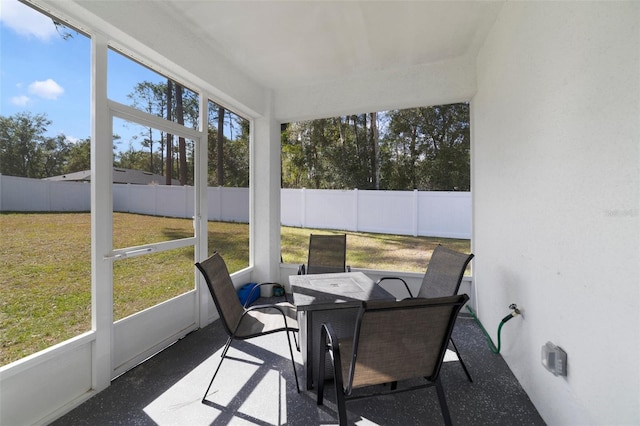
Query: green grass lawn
{"points": [[45, 277]]}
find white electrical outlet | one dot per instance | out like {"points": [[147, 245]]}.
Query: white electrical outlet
{"points": [[554, 359]]}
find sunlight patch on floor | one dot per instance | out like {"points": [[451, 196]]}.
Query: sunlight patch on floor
{"points": [[245, 391]]}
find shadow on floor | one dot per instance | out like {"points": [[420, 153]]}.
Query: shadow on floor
{"points": [[256, 387]]}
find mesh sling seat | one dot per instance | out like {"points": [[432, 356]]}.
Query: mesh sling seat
{"points": [[393, 341], [442, 278], [243, 323], [327, 254]]}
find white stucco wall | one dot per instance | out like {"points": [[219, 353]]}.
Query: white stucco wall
{"points": [[555, 143]]}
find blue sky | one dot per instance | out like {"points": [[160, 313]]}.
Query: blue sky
{"points": [[40, 72]]}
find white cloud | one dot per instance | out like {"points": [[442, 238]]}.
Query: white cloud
{"points": [[25, 20], [47, 89], [20, 100]]}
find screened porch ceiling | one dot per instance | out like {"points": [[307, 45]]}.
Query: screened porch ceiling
{"points": [[289, 44]]}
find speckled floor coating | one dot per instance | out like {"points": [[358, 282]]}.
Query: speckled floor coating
{"points": [[257, 388]]}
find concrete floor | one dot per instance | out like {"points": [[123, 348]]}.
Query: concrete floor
{"points": [[257, 387]]}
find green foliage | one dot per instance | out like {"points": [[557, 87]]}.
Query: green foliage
{"points": [[420, 148], [430, 148], [79, 156], [25, 150], [22, 144], [235, 150], [424, 148], [139, 160], [332, 153]]}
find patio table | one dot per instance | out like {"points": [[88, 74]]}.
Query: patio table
{"points": [[333, 298]]}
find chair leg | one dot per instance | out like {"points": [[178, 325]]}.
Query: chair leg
{"points": [[321, 361], [464, 367], [342, 405], [222, 356], [293, 363], [443, 403], [204, 397], [341, 400], [330, 347], [226, 347]]}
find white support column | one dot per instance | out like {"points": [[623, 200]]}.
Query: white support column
{"points": [[101, 217], [265, 197]]}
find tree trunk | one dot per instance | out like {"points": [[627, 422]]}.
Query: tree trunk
{"points": [[182, 146], [151, 150], [169, 158], [220, 162], [162, 144], [375, 161]]}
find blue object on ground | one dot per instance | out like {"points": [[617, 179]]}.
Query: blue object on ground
{"points": [[245, 291]]}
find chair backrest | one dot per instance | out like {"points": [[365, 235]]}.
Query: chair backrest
{"points": [[444, 273], [400, 340], [224, 295], [327, 254]]}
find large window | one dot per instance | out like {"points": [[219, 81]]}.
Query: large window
{"points": [[45, 160], [153, 178], [228, 185], [45, 277], [393, 174]]}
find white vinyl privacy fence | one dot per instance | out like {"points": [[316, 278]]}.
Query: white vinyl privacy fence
{"points": [[418, 213], [424, 213]]}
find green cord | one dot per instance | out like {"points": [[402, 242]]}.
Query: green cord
{"points": [[491, 345]]}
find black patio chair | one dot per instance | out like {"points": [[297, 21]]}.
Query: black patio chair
{"points": [[241, 322], [327, 254], [442, 278], [393, 341]]}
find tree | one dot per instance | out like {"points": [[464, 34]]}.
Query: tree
{"points": [[21, 141], [229, 167], [78, 156], [132, 159], [420, 148], [171, 101], [148, 97], [292, 164], [182, 147], [428, 148], [375, 155], [220, 147], [405, 149], [54, 155], [447, 130], [169, 144], [339, 152]]}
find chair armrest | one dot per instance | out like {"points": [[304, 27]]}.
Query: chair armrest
{"points": [[406, 286], [280, 309]]}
